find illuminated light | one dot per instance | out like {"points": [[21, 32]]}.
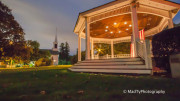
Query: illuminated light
{"points": [[99, 50], [127, 29], [111, 32], [119, 31], [125, 23], [107, 26], [106, 30], [11, 42], [115, 23], [130, 25]]}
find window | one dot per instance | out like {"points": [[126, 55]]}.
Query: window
{"points": [[55, 46]]}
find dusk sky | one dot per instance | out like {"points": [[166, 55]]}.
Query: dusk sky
{"points": [[39, 19]]}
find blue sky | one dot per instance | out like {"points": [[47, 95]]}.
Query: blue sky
{"points": [[39, 19]]}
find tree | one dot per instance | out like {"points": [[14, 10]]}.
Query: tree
{"points": [[37, 54], [66, 50], [119, 48], [44, 54], [74, 58], [122, 48], [12, 43], [62, 52], [164, 44], [102, 49], [35, 46]]}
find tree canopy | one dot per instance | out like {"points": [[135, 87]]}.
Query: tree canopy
{"points": [[12, 42], [119, 48], [64, 52], [35, 47], [164, 44]]}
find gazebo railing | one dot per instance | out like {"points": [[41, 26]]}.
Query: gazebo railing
{"points": [[143, 51], [96, 56], [141, 48], [122, 56], [109, 56]]}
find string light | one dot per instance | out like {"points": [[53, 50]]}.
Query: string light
{"points": [[107, 26], [125, 23]]}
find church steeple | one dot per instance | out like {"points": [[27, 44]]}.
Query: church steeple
{"points": [[56, 38], [55, 43]]}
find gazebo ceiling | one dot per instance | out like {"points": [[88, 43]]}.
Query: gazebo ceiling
{"points": [[121, 26]]}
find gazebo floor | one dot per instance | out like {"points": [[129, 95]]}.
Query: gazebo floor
{"points": [[122, 66]]}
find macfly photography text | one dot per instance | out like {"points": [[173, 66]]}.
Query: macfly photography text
{"points": [[142, 91]]}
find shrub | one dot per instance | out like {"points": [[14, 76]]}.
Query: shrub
{"points": [[164, 44], [43, 62], [38, 62]]}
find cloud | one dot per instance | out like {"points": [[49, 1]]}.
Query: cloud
{"points": [[39, 19]]}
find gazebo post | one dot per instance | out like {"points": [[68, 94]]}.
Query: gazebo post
{"points": [[79, 47], [170, 21], [92, 49], [112, 49], [87, 38], [135, 33]]}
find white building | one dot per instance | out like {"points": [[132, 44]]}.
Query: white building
{"points": [[54, 52]]}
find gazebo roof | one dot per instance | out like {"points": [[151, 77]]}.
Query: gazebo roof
{"points": [[158, 4]]}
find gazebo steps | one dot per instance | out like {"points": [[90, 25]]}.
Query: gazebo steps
{"points": [[116, 71], [112, 60], [110, 67], [123, 65], [109, 63]]}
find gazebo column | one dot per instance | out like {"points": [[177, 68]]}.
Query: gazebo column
{"points": [[87, 38], [92, 49], [79, 47], [112, 49], [135, 30], [170, 21]]}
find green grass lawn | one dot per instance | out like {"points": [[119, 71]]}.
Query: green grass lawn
{"points": [[63, 85]]}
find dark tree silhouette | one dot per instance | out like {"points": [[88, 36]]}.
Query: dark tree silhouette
{"points": [[164, 44], [67, 50], [12, 43], [35, 47], [64, 53]]}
